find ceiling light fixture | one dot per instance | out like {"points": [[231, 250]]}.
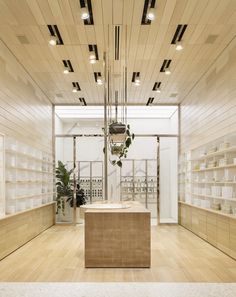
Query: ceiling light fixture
{"points": [[92, 61], [84, 13], [167, 71], [151, 14], [66, 70], [74, 90], [158, 90], [53, 40], [99, 81], [92, 55], [179, 46]]}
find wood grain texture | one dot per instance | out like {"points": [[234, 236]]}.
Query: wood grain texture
{"points": [[217, 229], [208, 112], [120, 239], [17, 229], [178, 255], [147, 45], [25, 111]]}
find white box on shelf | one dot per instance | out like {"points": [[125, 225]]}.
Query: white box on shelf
{"points": [[10, 209], [227, 192]]}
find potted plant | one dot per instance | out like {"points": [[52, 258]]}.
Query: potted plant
{"points": [[121, 150], [81, 199], [64, 189]]}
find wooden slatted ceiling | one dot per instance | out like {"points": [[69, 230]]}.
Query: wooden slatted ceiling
{"points": [[148, 45]]}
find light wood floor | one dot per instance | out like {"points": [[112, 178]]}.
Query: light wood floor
{"points": [[177, 256]]}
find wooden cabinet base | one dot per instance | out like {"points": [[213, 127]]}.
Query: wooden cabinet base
{"points": [[117, 239], [17, 229], [217, 229]]}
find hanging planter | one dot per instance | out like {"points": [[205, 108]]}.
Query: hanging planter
{"points": [[121, 150]]}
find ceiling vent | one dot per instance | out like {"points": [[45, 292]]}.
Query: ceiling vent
{"points": [[82, 101], [23, 39], [211, 39], [135, 76], [76, 86], [179, 33], [150, 101], [59, 95], [97, 75], [54, 31], [93, 49], [165, 64], [88, 4], [67, 64], [117, 43], [147, 4], [156, 86]]}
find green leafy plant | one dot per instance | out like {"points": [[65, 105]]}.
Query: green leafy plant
{"points": [[123, 149], [63, 185], [81, 199]]}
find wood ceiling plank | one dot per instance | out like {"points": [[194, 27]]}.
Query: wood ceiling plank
{"points": [[46, 12], [35, 10], [76, 11], [6, 15], [117, 12], [21, 12], [66, 12]]}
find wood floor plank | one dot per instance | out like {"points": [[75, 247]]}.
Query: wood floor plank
{"points": [[57, 255]]}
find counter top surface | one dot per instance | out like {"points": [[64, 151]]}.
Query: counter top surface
{"points": [[134, 207]]}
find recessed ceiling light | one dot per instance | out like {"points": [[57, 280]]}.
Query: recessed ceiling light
{"points": [[151, 14], [179, 46], [92, 55], [66, 70], [84, 13], [92, 61], [53, 40], [137, 83], [167, 71], [99, 81], [74, 90], [158, 90]]}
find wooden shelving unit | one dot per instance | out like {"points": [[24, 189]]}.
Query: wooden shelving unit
{"points": [[212, 180], [28, 176], [207, 192]]}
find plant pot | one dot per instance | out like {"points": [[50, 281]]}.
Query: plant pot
{"points": [[117, 128], [78, 218], [67, 216]]}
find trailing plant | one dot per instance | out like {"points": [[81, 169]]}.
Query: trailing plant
{"points": [[121, 150], [63, 185], [81, 199]]}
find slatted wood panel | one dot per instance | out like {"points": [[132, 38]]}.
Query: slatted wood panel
{"points": [[148, 46], [209, 110], [16, 230], [217, 229], [25, 111]]}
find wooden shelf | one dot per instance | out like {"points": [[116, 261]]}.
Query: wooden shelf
{"points": [[28, 156], [28, 169], [218, 182], [217, 153], [214, 197], [26, 210], [32, 196], [215, 168], [210, 210]]}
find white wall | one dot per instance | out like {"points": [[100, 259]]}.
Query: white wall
{"points": [[91, 148], [168, 180]]}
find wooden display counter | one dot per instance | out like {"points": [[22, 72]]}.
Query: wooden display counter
{"points": [[118, 237], [217, 228]]}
